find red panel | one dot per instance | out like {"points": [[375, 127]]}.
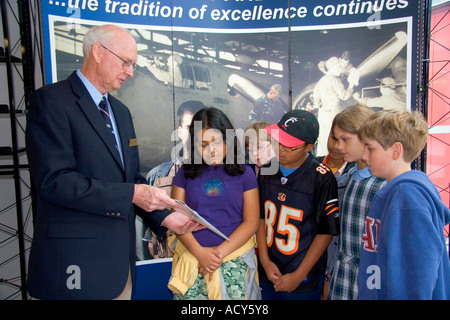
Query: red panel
{"points": [[438, 152]]}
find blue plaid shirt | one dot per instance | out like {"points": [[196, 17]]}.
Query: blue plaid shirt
{"points": [[360, 189]]}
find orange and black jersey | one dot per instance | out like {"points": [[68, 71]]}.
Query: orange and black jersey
{"points": [[296, 208]]}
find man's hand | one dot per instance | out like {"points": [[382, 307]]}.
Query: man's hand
{"points": [[151, 198], [353, 78], [180, 224]]}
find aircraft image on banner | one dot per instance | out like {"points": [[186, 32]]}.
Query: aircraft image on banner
{"points": [[231, 71]]}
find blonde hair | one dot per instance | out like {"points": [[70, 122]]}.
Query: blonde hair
{"points": [[256, 127], [276, 87], [352, 118], [397, 125]]}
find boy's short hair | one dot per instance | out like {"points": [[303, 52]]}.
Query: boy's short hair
{"points": [[397, 125], [352, 118]]}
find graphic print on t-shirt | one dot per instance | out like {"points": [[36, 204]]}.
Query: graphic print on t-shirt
{"points": [[213, 188]]}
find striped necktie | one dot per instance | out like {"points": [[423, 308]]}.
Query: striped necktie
{"points": [[104, 112]]}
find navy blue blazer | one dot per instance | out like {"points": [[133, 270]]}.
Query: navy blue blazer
{"points": [[84, 230]]}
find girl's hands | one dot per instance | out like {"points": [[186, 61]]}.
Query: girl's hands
{"points": [[209, 259]]}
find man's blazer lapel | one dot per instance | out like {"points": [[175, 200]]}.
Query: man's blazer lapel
{"points": [[87, 105], [123, 127]]}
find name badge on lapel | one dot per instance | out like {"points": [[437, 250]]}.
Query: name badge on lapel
{"points": [[133, 143]]}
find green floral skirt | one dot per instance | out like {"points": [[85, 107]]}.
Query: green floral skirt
{"points": [[233, 273]]}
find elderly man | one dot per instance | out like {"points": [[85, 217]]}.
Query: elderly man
{"points": [[84, 164]]}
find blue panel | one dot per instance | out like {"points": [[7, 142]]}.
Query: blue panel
{"points": [[151, 280]]}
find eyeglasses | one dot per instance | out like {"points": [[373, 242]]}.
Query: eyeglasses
{"points": [[290, 149], [126, 64]]}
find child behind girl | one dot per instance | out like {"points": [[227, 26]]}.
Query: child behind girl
{"points": [[258, 145], [205, 266], [360, 188]]}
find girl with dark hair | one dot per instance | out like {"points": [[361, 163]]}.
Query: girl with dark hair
{"points": [[224, 192], [208, 120]]}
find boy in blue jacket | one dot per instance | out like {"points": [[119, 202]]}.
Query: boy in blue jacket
{"points": [[403, 254]]}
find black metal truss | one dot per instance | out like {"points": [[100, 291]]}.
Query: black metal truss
{"points": [[19, 18]]}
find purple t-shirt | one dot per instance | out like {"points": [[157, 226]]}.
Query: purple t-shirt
{"points": [[217, 197]]}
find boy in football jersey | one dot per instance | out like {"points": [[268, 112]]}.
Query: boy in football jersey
{"points": [[299, 213]]}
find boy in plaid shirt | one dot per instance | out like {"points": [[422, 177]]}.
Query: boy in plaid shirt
{"points": [[360, 188]]}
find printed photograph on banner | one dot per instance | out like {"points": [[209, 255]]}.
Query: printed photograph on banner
{"points": [[249, 75], [232, 72], [337, 66]]}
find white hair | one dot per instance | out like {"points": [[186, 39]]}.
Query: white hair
{"points": [[101, 34]]}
